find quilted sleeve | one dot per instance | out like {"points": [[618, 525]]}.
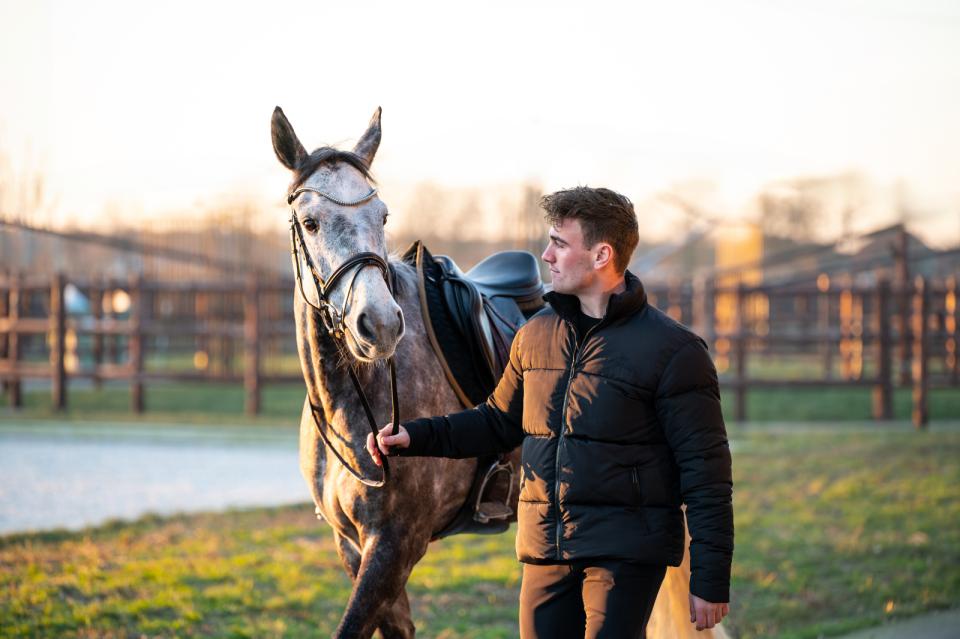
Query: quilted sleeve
{"points": [[688, 407], [491, 427]]}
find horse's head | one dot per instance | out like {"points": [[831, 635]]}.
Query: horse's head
{"points": [[340, 217]]}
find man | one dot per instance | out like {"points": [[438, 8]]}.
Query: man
{"points": [[618, 411]]}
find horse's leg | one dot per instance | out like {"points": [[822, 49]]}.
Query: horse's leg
{"points": [[348, 555], [396, 622], [385, 566]]}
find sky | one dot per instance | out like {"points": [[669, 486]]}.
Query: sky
{"points": [[135, 110]]}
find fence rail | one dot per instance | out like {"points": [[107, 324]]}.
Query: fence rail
{"points": [[144, 331]]}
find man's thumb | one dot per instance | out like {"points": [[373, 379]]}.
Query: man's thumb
{"points": [[389, 440]]}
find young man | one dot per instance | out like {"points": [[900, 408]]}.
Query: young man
{"points": [[617, 408]]}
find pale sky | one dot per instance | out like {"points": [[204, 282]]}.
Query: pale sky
{"points": [[147, 108]]}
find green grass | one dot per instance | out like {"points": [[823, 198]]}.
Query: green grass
{"points": [[260, 573], [838, 528], [199, 403], [211, 402], [835, 404]]}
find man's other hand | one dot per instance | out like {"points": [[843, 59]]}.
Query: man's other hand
{"points": [[386, 441], [703, 613]]}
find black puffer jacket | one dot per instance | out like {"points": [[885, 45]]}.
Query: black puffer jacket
{"points": [[617, 433]]}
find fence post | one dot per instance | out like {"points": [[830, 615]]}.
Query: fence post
{"points": [[710, 311], [5, 313], [58, 333], [824, 341], [251, 347], [921, 306], [14, 394], [96, 304], [135, 341], [902, 275], [740, 355], [953, 334], [112, 341], [883, 391], [225, 348], [702, 308]]}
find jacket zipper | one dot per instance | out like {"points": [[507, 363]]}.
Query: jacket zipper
{"points": [[563, 426]]}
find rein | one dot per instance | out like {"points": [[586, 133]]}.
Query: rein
{"points": [[333, 322]]}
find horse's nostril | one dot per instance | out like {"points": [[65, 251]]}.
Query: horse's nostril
{"points": [[399, 322], [366, 330]]}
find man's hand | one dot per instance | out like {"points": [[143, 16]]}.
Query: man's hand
{"points": [[703, 613], [386, 441]]}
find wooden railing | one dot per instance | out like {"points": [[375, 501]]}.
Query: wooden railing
{"points": [[877, 337], [900, 332], [124, 335]]}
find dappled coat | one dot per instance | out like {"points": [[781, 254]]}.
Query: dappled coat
{"points": [[617, 432]]}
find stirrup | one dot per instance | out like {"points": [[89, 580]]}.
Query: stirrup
{"points": [[494, 509]]}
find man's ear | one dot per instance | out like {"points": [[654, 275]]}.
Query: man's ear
{"points": [[604, 256]]}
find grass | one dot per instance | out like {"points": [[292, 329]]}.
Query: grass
{"points": [[843, 529], [835, 404], [838, 528], [212, 402], [201, 403], [261, 573]]}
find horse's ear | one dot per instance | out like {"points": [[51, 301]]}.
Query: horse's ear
{"points": [[286, 144], [367, 145]]}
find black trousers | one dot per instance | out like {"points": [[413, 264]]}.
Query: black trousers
{"points": [[590, 599]]}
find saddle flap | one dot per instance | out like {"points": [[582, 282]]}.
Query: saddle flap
{"points": [[470, 331]]}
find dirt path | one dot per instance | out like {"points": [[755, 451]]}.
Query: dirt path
{"points": [[944, 624]]}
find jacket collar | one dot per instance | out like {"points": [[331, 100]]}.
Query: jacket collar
{"points": [[630, 301]]}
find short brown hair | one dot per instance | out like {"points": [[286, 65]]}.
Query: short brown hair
{"points": [[604, 215]]}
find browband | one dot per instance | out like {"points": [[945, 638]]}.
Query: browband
{"points": [[302, 189]]}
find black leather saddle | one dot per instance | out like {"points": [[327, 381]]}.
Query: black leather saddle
{"points": [[471, 319]]}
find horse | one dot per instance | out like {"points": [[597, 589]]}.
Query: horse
{"points": [[360, 334]]}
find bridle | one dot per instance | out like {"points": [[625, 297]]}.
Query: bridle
{"points": [[333, 319]]}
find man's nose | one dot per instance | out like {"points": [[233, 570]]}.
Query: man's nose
{"points": [[545, 256]]}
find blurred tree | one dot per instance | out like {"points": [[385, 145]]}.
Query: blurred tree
{"points": [[805, 209], [529, 233], [24, 196], [429, 206]]}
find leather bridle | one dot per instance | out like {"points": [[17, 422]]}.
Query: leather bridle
{"points": [[333, 320]]}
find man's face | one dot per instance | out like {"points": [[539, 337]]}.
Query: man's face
{"points": [[571, 263]]}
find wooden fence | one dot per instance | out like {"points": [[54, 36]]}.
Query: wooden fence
{"points": [[216, 320], [877, 337]]}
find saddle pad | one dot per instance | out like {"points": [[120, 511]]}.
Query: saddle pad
{"points": [[458, 355]]}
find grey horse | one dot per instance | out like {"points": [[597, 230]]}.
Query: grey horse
{"points": [[380, 531]]}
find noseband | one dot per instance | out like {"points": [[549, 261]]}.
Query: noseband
{"points": [[333, 319]]}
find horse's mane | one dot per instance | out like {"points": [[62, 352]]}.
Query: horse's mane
{"points": [[326, 155], [404, 275]]}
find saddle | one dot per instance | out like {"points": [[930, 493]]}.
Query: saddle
{"points": [[471, 319]]}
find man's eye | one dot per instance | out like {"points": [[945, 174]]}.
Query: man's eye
{"points": [[310, 224]]}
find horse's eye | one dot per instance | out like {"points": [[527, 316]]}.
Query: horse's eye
{"points": [[385, 216], [310, 224]]}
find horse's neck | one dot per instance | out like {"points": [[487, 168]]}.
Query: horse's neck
{"points": [[325, 371], [331, 391]]}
